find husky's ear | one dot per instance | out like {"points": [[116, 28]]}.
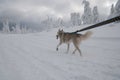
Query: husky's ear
{"points": [[58, 29]]}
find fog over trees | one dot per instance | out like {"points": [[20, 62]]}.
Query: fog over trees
{"points": [[15, 23]]}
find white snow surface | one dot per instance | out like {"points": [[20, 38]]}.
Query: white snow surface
{"points": [[34, 56]]}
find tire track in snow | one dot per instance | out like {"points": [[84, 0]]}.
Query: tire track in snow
{"points": [[15, 50]]}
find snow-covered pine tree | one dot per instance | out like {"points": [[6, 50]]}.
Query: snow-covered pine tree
{"points": [[6, 28], [17, 28], [75, 19], [87, 15], [78, 19], [112, 11], [117, 8], [59, 22], [49, 23], [13, 29], [23, 30], [95, 15]]}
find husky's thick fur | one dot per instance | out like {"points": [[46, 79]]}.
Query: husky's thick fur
{"points": [[74, 38]]}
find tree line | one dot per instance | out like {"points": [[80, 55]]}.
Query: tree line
{"points": [[89, 16]]}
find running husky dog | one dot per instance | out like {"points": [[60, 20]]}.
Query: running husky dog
{"points": [[74, 38]]}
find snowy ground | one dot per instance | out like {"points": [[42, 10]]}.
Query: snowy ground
{"points": [[34, 56]]}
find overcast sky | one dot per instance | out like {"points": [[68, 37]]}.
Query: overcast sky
{"points": [[56, 8]]}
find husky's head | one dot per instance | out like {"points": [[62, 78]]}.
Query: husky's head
{"points": [[59, 33]]}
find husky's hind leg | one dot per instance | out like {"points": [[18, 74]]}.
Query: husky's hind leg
{"points": [[77, 48]]}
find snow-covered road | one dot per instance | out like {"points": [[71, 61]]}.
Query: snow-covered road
{"points": [[34, 57]]}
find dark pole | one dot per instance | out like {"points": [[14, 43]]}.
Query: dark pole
{"points": [[99, 24]]}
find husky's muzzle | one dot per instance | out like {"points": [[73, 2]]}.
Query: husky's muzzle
{"points": [[56, 36]]}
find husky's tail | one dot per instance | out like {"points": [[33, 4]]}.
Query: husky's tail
{"points": [[86, 35]]}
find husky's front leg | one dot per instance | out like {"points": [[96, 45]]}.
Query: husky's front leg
{"points": [[58, 46], [68, 46]]}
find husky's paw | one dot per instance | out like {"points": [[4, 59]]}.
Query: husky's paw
{"points": [[56, 49]]}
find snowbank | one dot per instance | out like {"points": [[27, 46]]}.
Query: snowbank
{"points": [[34, 56]]}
